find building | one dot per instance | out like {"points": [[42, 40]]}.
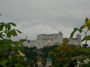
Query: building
{"points": [[44, 40], [48, 61]]}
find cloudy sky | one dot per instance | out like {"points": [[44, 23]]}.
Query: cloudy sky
{"points": [[35, 17]]}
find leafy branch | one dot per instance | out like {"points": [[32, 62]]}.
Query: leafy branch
{"points": [[6, 32], [81, 29]]}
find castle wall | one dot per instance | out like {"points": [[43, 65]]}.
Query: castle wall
{"points": [[48, 42], [32, 43], [51, 39], [73, 41], [79, 38]]}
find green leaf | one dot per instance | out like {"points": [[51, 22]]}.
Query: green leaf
{"points": [[18, 31], [3, 62], [13, 32], [76, 29], [1, 26], [86, 38], [9, 34], [80, 31], [1, 35], [86, 19], [8, 26], [12, 24], [82, 27], [71, 35]]}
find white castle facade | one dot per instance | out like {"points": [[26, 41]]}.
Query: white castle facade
{"points": [[44, 40]]}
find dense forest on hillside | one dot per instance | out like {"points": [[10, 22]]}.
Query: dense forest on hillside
{"points": [[33, 52]]}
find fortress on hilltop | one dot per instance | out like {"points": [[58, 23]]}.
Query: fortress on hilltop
{"points": [[44, 40]]}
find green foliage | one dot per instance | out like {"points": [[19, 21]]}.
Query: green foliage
{"points": [[86, 38], [62, 54], [3, 62], [48, 49], [86, 25], [7, 45], [30, 53], [65, 41], [77, 29]]}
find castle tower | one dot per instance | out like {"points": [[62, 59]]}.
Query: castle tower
{"points": [[79, 38], [60, 37]]}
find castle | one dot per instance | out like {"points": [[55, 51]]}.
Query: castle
{"points": [[44, 40]]}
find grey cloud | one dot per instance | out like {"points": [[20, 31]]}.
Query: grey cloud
{"points": [[42, 10], [29, 13]]}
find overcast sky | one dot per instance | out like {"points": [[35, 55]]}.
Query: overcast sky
{"points": [[35, 17]]}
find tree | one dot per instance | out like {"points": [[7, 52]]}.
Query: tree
{"points": [[8, 45], [61, 55], [84, 28], [64, 54]]}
